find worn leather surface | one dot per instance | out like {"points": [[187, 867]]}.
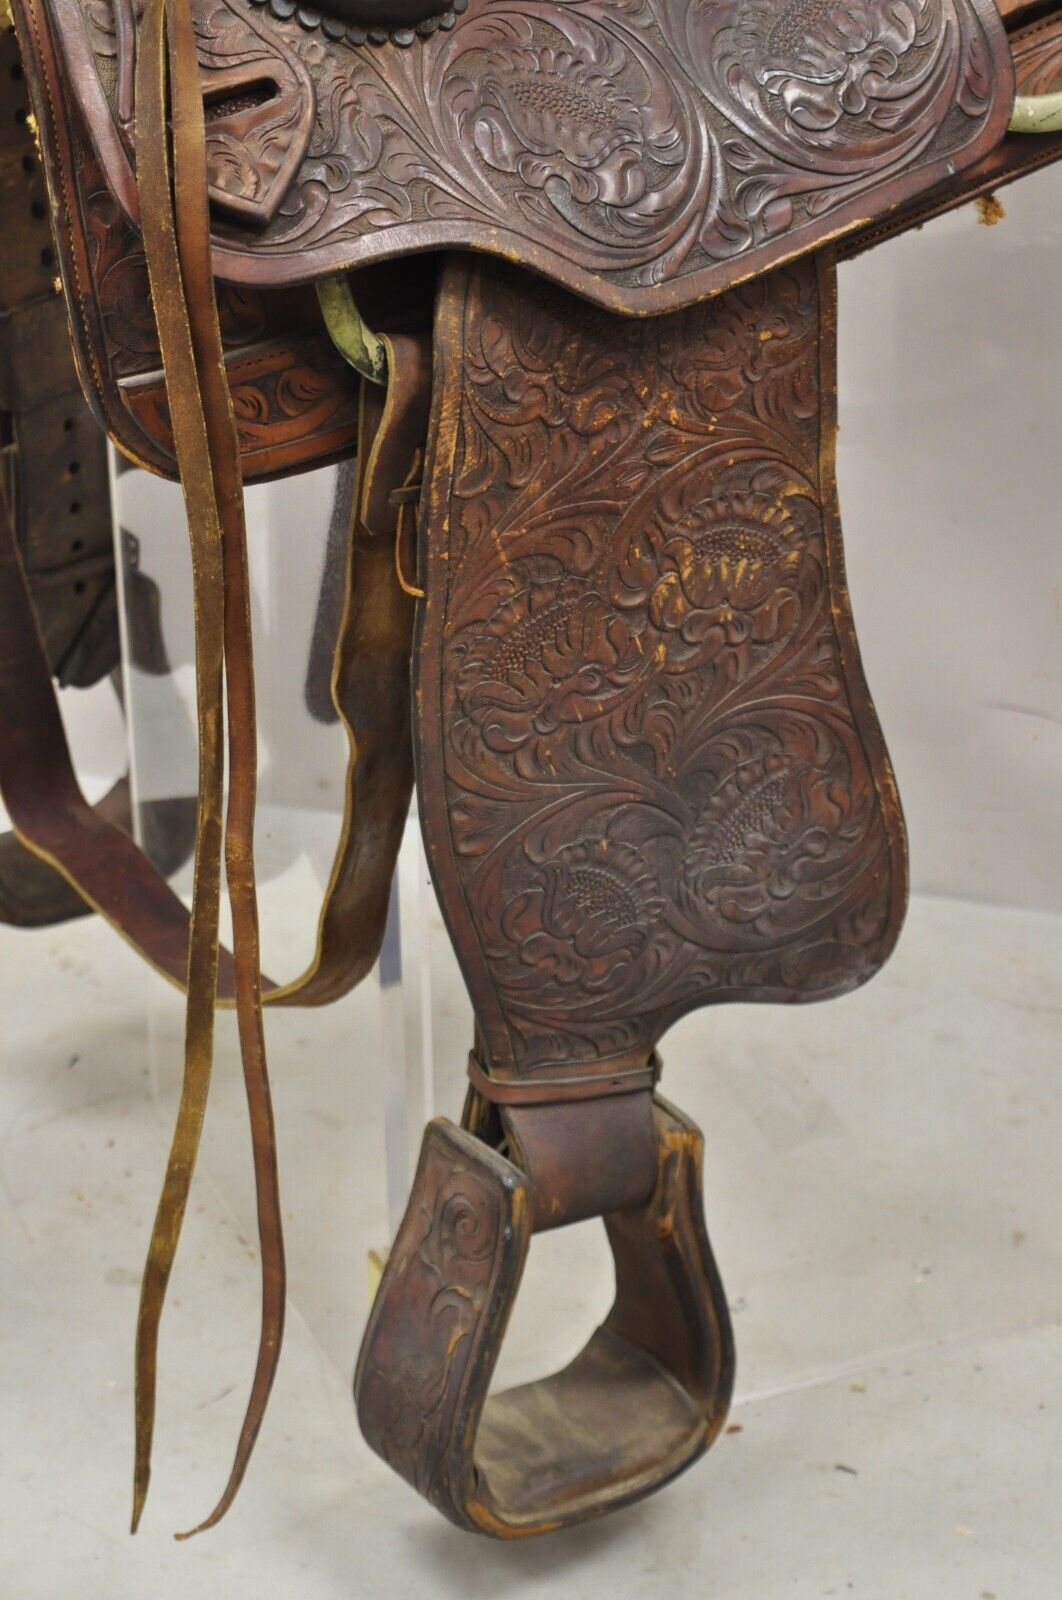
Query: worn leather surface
{"points": [[291, 393], [772, 187], [33, 894], [650, 778], [1036, 49]]}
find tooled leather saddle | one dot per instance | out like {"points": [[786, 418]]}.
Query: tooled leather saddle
{"points": [[562, 275]]}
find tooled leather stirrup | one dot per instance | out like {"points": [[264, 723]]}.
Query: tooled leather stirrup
{"points": [[646, 1396]]}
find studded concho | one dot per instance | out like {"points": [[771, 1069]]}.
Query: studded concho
{"points": [[650, 773], [377, 22]]}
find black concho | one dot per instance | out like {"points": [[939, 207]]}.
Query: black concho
{"points": [[370, 21]]}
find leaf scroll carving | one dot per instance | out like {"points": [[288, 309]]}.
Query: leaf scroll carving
{"points": [[460, 1244], [624, 147], [664, 784]]}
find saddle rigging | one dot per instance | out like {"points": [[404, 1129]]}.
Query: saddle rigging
{"points": [[562, 275]]}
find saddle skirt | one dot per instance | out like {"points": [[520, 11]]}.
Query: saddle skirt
{"points": [[650, 772]]}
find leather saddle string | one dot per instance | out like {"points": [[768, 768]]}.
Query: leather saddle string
{"points": [[38, 785], [177, 246]]}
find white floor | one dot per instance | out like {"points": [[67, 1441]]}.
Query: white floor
{"points": [[883, 1191]]}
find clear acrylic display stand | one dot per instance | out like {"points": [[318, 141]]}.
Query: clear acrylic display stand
{"points": [[296, 532]]}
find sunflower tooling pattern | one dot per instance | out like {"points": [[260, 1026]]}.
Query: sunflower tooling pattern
{"points": [[617, 144], [664, 781]]}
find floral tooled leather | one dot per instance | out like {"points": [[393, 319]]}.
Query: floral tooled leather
{"points": [[644, 152], [663, 783]]}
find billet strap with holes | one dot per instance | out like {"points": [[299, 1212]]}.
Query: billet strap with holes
{"points": [[53, 476]]}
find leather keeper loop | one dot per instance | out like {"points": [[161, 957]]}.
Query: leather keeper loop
{"points": [[584, 1159], [561, 1091]]}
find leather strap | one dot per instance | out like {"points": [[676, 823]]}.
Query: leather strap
{"points": [[39, 787], [48, 811], [177, 245], [111, 875], [177, 241], [65, 550], [370, 686], [562, 1090]]}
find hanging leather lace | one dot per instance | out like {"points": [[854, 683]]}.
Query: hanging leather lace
{"points": [[176, 231]]}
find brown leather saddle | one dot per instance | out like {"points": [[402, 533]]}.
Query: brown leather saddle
{"points": [[562, 275]]}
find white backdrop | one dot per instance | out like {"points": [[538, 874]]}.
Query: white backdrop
{"points": [[950, 467]]}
